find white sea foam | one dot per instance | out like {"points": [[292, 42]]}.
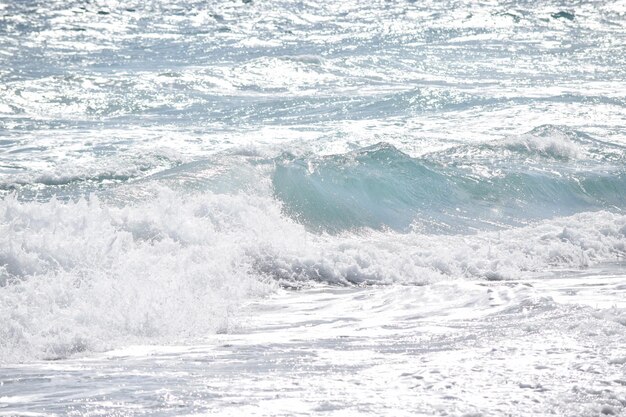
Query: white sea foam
{"points": [[382, 257], [227, 143], [89, 275], [555, 145]]}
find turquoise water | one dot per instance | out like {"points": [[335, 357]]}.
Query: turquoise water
{"points": [[164, 164], [391, 207], [379, 186]]}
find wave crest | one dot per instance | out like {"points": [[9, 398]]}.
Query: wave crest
{"points": [[88, 275], [380, 187]]}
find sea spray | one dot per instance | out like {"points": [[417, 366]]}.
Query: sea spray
{"points": [[89, 275]]}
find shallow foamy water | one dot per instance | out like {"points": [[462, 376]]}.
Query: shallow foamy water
{"points": [[312, 208], [551, 346]]}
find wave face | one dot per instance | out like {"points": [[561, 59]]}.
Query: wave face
{"points": [[541, 174]]}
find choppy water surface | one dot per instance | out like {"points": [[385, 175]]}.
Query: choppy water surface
{"points": [[312, 208]]}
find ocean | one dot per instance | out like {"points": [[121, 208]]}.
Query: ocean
{"points": [[306, 207]]}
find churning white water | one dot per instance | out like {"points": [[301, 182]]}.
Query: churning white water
{"points": [[312, 208]]}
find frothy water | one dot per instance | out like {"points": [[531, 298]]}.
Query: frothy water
{"points": [[90, 275], [303, 191]]}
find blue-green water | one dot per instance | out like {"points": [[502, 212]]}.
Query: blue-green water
{"points": [[281, 208], [163, 163]]}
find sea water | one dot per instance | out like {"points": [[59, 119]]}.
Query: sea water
{"points": [[312, 208]]}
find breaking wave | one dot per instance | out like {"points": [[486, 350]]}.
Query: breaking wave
{"points": [[91, 275], [457, 191]]}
